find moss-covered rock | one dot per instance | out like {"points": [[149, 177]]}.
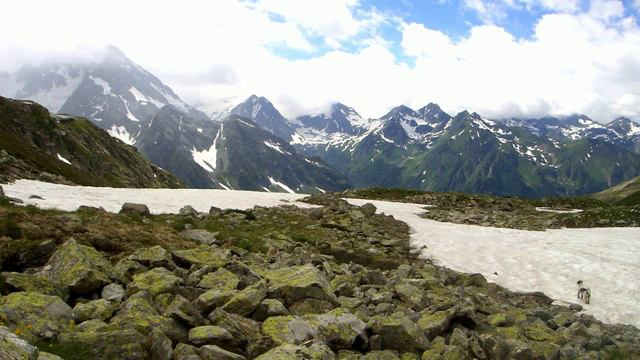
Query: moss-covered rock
{"points": [[34, 315], [213, 298], [80, 268], [156, 281], [411, 295], [399, 332], [299, 282], [502, 319], [48, 356], [539, 331], [338, 328], [214, 352], [201, 255], [269, 308], [99, 340], [152, 257], [381, 355], [434, 324], [12, 347], [96, 309], [312, 351], [221, 279], [125, 269], [210, 334], [34, 282], [246, 301]]}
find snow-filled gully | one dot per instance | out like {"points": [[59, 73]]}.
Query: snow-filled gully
{"points": [[606, 259]]}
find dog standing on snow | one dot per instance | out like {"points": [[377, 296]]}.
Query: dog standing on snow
{"points": [[584, 293]]}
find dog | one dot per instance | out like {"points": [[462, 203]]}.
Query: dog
{"points": [[584, 293]]}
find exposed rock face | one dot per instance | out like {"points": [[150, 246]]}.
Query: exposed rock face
{"points": [[289, 297]]}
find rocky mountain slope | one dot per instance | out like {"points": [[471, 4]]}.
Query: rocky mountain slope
{"points": [[232, 153], [36, 144], [336, 282], [112, 91], [430, 150], [626, 193]]}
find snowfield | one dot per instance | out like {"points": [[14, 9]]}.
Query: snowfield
{"points": [[606, 259]]}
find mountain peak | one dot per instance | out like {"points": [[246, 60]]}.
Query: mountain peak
{"points": [[262, 112]]}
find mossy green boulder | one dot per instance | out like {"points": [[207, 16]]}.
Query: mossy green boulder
{"points": [[80, 268], [96, 309], [156, 281], [152, 257], [338, 328], [12, 347], [246, 301], [299, 282], [34, 282], [312, 351], [201, 255], [209, 334], [98, 340], [221, 279], [34, 315], [399, 332]]}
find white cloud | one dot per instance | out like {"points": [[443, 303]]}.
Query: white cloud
{"points": [[491, 11], [215, 53]]}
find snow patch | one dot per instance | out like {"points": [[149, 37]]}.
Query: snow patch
{"points": [[281, 185], [276, 147], [120, 132], [207, 158], [106, 88], [64, 160]]}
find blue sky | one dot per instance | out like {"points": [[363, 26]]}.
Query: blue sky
{"points": [[500, 58]]}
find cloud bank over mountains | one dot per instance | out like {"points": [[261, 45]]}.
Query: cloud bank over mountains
{"points": [[580, 57]]}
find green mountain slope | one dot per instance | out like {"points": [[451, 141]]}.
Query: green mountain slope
{"points": [[40, 145]]}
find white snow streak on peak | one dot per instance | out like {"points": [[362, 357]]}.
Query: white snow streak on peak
{"points": [[207, 159], [281, 185], [142, 98], [276, 147], [106, 89], [120, 132], [549, 261], [63, 160]]}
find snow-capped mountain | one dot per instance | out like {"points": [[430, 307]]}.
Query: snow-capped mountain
{"points": [[430, 150], [234, 153], [261, 111], [113, 92]]}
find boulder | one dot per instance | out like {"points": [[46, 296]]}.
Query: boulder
{"points": [[269, 308], [80, 268], [201, 255], [48, 356], [113, 292], [13, 347], [95, 339], [185, 352], [221, 279], [210, 334], [434, 324], [34, 315], [368, 209], [299, 282], [338, 328], [156, 281], [411, 295], [214, 352], [152, 257], [315, 351], [135, 209], [399, 332], [159, 346], [246, 301], [125, 269], [188, 210], [243, 330], [41, 283], [184, 311], [200, 236], [96, 309], [213, 298]]}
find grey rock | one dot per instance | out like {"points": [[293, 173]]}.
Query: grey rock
{"points": [[113, 292], [214, 352], [159, 346], [136, 209]]}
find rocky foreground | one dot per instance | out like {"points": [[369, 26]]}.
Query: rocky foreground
{"points": [[334, 282]]}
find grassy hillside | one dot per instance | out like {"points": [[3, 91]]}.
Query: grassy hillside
{"points": [[626, 193], [35, 144]]}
